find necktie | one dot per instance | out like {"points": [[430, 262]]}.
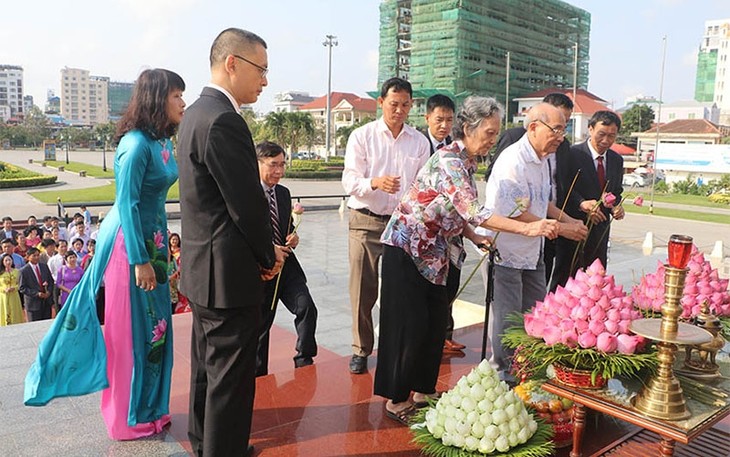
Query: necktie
{"points": [[601, 173], [439, 146], [273, 212], [38, 275]]}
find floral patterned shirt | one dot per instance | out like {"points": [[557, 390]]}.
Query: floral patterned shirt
{"points": [[435, 210]]}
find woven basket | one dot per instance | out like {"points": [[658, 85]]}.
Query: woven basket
{"points": [[578, 378]]}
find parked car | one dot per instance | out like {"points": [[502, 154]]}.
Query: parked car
{"points": [[636, 179]]}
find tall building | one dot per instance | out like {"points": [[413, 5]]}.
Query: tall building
{"points": [[84, 98], [713, 67], [11, 90], [119, 95], [460, 47], [290, 101]]}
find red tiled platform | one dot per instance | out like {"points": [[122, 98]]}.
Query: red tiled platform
{"points": [[323, 410]]}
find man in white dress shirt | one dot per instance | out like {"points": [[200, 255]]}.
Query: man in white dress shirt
{"points": [[381, 160]]}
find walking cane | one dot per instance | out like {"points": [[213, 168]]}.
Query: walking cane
{"points": [[493, 254]]}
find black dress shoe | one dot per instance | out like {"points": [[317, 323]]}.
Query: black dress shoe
{"points": [[249, 451], [358, 364], [298, 363]]}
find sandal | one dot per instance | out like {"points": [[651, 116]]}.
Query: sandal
{"points": [[428, 397], [403, 416]]}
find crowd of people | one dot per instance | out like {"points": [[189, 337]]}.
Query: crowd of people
{"points": [[67, 251], [413, 200]]}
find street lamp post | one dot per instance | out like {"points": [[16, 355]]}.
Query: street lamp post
{"points": [[329, 42], [104, 139], [658, 123]]}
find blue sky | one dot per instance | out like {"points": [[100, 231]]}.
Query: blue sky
{"points": [[119, 38]]}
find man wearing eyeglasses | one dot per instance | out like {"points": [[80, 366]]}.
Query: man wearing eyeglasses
{"points": [[597, 171], [519, 187], [511, 136], [291, 285], [228, 245]]}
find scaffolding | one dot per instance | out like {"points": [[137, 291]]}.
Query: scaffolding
{"points": [[706, 71], [459, 47]]}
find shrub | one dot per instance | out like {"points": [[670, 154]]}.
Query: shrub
{"points": [[12, 176], [720, 197]]}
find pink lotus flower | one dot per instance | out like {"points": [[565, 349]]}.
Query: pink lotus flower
{"points": [[609, 199], [639, 200], [551, 335], [606, 342], [626, 344], [297, 208], [611, 327], [587, 340], [159, 240], [158, 333]]}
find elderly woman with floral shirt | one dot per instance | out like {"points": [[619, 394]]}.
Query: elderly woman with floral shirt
{"points": [[440, 205]]}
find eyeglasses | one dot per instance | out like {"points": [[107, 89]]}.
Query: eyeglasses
{"points": [[275, 165], [556, 131], [264, 71]]}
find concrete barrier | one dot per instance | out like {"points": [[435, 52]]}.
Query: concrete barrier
{"points": [[82, 173]]}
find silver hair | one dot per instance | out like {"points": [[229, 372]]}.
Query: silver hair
{"points": [[472, 112]]}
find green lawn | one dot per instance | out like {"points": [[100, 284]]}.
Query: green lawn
{"points": [[680, 199], [93, 194], [679, 214], [91, 170]]}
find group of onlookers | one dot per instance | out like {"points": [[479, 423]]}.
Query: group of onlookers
{"points": [[66, 263]]}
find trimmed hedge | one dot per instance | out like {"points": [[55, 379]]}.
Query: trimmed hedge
{"points": [[720, 198], [312, 174], [12, 176]]}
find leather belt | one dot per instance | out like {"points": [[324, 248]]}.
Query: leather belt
{"points": [[367, 212]]}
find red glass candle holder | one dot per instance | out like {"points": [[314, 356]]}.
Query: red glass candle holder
{"points": [[680, 248]]}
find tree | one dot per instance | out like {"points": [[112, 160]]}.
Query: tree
{"points": [[638, 118], [290, 130], [275, 127], [36, 125], [343, 133]]}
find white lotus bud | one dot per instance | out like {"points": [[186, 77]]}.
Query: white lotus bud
{"points": [[523, 435], [473, 377], [472, 417], [499, 416], [501, 444], [457, 440], [477, 429], [485, 418], [450, 425], [471, 444], [485, 406], [477, 392], [513, 440], [511, 410], [446, 439], [460, 415], [514, 426], [504, 429], [462, 428], [486, 446], [462, 382], [500, 403], [464, 391], [491, 432], [450, 411], [484, 367], [468, 405], [532, 427], [455, 399], [437, 432], [491, 394]]}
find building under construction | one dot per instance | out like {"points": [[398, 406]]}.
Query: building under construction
{"points": [[498, 48]]}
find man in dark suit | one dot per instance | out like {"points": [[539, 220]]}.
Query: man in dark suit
{"points": [[440, 111], [36, 285], [8, 230], [228, 250], [599, 171], [292, 286]]}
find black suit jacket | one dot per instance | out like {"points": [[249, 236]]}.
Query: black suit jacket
{"points": [[447, 140], [286, 226], [225, 215], [30, 287], [586, 185]]}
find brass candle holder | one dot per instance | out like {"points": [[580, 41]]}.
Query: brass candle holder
{"points": [[662, 396]]}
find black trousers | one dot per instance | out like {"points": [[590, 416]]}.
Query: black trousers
{"points": [[294, 294], [452, 288], [596, 247], [222, 379], [413, 315], [548, 256]]}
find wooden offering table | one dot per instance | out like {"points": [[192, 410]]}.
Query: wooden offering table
{"points": [[614, 400]]}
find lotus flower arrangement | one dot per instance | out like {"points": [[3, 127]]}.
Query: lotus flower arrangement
{"points": [[583, 326], [702, 284], [481, 416]]}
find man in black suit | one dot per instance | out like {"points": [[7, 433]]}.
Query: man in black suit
{"points": [[292, 286], [599, 171], [36, 285], [228, 250], [511, 136], [440, 111]]}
